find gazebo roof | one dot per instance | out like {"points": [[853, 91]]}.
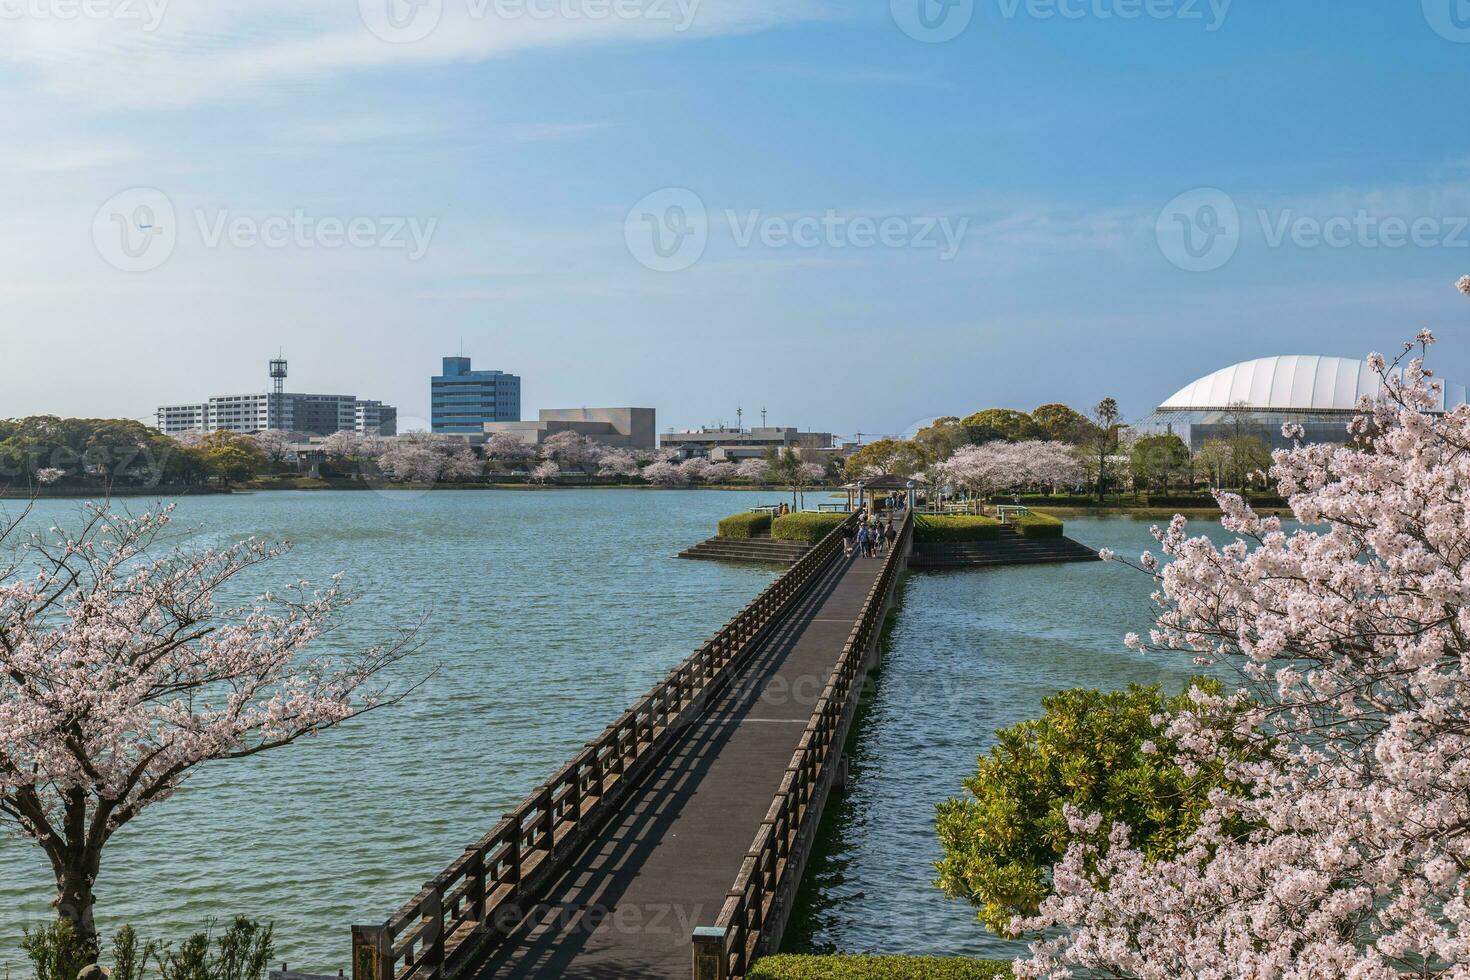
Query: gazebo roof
{"points": [[885, 482]]}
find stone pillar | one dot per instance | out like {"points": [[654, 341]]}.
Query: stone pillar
{"points": [[913, 495], [711, 959], [862, 496]]}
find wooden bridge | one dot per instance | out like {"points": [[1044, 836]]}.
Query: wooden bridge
{"points": [[673, 845]]}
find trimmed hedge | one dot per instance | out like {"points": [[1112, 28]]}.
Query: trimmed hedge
{"points": [[747, 525], [810, 528], [876, 968], [955, 527], [1038, 526], [1181, 500]]}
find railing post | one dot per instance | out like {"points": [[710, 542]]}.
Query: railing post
{"points": [[372, 953], [433, 955], [476, 873], [513, 852], [711, 957]]}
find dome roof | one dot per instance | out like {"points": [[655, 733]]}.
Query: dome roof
{"points": [[1298, 383]]}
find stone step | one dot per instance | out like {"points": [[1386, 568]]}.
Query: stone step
{"points": [[761, 550]]}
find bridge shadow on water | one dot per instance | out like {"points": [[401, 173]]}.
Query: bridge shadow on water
{"points": [[629, 902]]}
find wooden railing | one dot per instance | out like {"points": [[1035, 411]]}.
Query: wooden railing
{"points": [[770, 872], [489, 890]]}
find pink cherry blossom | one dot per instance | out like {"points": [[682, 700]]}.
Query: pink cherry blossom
{"points": [[1348, 852], [120, 673]]}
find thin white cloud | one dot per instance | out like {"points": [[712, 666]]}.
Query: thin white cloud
{"points": [[551, 132], [62, 158], [202, 51]]}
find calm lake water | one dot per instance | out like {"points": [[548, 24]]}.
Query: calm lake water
{"points": [[549, 613]]}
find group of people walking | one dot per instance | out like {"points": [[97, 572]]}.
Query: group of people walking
{"points": [[871, 538]]}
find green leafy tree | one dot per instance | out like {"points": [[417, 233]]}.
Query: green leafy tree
{"points": [[898, 457], [1105, 753], [1059, 423], [995, 424], [938, 440], [1157, 461], [232, 458]]}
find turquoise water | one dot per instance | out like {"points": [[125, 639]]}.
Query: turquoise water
{"points": [[549, 613], [970, 652]]}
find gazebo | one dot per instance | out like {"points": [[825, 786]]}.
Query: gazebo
{"points": [[884, 485]]}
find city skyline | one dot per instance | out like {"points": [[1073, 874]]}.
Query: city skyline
{"points": [[955, 213]]}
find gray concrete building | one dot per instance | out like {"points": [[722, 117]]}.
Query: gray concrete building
{"points": [[621, 428]]}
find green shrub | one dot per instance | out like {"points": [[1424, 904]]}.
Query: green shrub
{"points": [[242, 952], [1087, 750], [876, 968], [955, 527], [810, 528], [56, 951], [747, 525], [1036, 525]]}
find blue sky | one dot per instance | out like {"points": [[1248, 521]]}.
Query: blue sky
{"points": [[528, 143]]}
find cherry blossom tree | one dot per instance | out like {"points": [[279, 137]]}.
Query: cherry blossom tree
{"points": [[719, 473], [618, 463], [547, 472], [412, 458], [754, 470], [1347, 851], [665, 474], [694, 470], [508, 452], [347, 445], [277, 446], [120, 674], [571, 450]]}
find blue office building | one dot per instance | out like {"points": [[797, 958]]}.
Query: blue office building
{"points": [[463, 400]]}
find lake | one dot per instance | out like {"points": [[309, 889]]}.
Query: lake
{"points": [[548, 614]]}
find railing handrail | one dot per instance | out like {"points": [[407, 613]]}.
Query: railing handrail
{"points": [[736, 935], [487, 879]]}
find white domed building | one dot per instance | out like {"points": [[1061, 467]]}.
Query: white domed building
{"points": [[1321, 394]]}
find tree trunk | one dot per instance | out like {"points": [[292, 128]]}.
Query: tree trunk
{"points": [[75, 901]]}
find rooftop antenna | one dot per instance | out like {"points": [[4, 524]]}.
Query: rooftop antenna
{"points": [[763, 416], [278, 372], [740, 419]]}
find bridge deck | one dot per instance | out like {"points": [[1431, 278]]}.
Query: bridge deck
{"points": [[631, 898]]}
